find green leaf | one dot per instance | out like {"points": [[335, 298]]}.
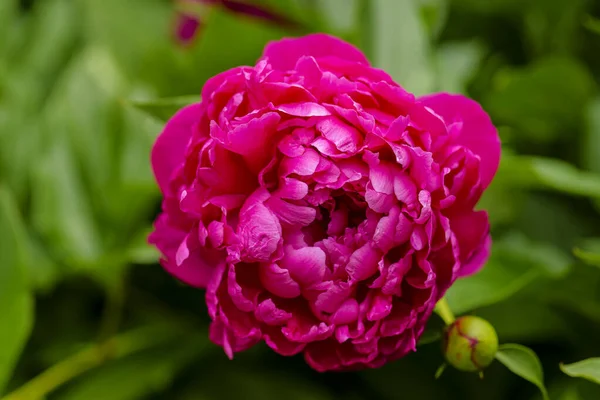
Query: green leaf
{"points": [[548, 173], [8, 16], [434, 14], [61, 211], [140, 252], [526, 318], [164, 108], [591, 145], [592, 24], [513, 265], [15, 299], [430, 336], [135, 376], [340, 14], [587, 257], [523, 362], [570, 394], [401, 45], [587, 369], [256, 383], [457, 63], [543, 100]]}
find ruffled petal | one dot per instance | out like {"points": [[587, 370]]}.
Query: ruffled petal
{"points": [[169, 148], [477, 132], [284, 54]]}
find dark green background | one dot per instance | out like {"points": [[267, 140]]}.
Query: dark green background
{"points": [[79, 81]]}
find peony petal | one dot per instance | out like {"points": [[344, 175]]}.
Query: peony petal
{"points": [[477, 134], [270, 314], [345, 137], [259, 231], [405, 189], [378, 202], [304, 165], [305, 109], [169, 148], [253, 139], [280, 344], [306, 265], [382, 177], [291, 214], [278, 281], [381, 306], [347, 313], [363, 262], [291, 189], [284, 54], [472, 233]]}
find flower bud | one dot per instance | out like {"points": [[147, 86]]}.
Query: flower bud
{"points": [[470, 343]]}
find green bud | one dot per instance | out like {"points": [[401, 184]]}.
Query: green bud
{"points": [[470, 344]]}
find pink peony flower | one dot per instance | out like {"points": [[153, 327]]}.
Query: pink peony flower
{"points": [[325, 209]]}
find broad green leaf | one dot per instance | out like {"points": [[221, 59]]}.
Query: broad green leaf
{"points": [[547, 258], [140, 252], [430, 336], [542, 100], [514, 263], [495, 282], [587, 257], [553, 26], [54, 34], [523, 362], [16, 302], [84, 106], [434, 14], [340, 14], [570, 394], [8, 18], [61, 209], [593, 24], [549, 173], [135, 376], [263, 384], [591, 145], [164, 108], [401, 45], [457, 62], [588, 369], [526, 318]]}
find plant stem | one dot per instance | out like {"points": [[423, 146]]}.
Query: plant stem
{"points": [[443, 310], [88, 358]]}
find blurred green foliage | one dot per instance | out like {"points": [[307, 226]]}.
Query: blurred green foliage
{"points": [[81, 294]]}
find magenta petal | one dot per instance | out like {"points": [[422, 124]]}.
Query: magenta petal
{"points": [[275, 340], [169, 148], [291, 214], [252, 137], [363, 262], [259, 231], [306, 265], [477, 134], [345, 137], [305, 109], [268, 313], [197, 269], [347, 313], [293, 189], [472, 233], [278, 281], [304, 165], [284, 54]]}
